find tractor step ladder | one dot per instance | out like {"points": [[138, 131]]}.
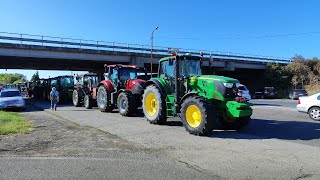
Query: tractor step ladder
{"points": [[170, 106]]}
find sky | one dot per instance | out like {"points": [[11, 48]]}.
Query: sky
{"points": [[266, 27]]}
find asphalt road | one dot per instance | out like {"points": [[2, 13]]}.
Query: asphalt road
{"points": [[279, 143]]}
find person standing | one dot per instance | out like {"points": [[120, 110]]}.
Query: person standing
{"points": [[54, 97]]}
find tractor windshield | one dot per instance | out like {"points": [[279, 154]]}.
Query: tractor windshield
{"points": [[90, 79], [126, 73], [66, 81], [190, 68]]}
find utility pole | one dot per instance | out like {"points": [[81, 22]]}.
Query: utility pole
{"points": [[152, 48]]}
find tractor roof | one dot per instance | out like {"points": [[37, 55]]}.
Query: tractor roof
{"points": [[121, 66], [87, 74], [181, 57]]}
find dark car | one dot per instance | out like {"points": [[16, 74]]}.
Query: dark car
{"points": [[296, 93], [266, 92]]}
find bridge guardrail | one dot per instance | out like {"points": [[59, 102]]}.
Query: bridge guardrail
{"points": [[28, 39]]}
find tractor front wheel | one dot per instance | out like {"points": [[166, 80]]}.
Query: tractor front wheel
{"points": [[126, 104], [197, 116], [88, 101], [102, 100], [76, 98], [154, 105]]}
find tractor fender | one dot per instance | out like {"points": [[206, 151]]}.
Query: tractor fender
{"points": [[186, 96], [158, 85], [107, 84], [138, 88]]}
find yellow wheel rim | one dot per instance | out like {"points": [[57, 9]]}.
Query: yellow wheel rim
{"points": [[151, 104], [193, 116]]}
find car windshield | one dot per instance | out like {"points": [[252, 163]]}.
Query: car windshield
{"points": [[10, 94], [300, 91], [243, 88]]}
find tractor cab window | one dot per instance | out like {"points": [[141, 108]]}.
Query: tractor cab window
{"points": [[126, 73], [54, 83], [93, 79], [190, 68], [167, 69], [78, 80], [113, 76], [66, 81]]}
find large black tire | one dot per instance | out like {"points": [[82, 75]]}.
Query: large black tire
{"points": [[153, 105], [126, 104], [197, 116], [88, 101], [228, 123], [76, 99], [102, 100], [314, 113]]}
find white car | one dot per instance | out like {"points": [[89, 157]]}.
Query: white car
{"points": [[311, 105], [11, 99], [245, 92]]}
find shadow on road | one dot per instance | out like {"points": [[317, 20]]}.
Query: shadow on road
{"points": [[264, 104], [271, 129]]}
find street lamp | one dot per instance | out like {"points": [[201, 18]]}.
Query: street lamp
{"points": [[152, 47]]}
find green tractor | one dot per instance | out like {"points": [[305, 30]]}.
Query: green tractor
{"points": [[203, 102]]}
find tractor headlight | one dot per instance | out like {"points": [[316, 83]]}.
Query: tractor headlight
{"points": [[228, 85]]}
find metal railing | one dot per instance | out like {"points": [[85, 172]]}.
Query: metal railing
{"points": [[28, 39]]}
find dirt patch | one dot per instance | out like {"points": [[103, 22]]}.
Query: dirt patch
{"points": [[54, 136]]}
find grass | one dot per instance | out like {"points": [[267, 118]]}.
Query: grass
{"points": [[12, 123]]}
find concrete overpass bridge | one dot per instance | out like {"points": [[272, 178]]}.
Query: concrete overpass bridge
{"points": [[23, 51]]}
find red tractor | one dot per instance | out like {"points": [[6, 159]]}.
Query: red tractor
{"points": [[121, 89]]}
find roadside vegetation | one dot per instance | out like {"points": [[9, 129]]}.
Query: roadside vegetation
{"points": [[12, 78], [12, 123], [300, 74]]}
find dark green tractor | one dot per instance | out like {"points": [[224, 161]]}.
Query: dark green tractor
{"points": [[204, 102]]}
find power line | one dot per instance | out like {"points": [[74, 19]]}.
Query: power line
{"points": [[239, 37]]}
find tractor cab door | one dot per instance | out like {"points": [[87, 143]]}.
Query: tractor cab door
{"points": [[113, 76], [167, 72]]}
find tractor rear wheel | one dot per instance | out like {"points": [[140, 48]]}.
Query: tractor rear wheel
{"points": [[76, 99], [88, 101], [229, 123], [153, 105], [126, 104], [197, 116], [102, 100]]}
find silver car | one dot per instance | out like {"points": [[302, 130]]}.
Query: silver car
{"points": [[245, 92], [311, 105], [12, 99]]}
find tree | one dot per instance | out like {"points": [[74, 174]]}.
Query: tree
{"points": [[299, 70], [35, 77], [12, 78], [276, 76]]}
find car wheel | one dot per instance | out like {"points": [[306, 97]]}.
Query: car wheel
{"points": [[314, 113]]}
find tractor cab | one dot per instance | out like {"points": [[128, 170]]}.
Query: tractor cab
{"points": [[120, 74], [187, 66], [86, 80]]}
